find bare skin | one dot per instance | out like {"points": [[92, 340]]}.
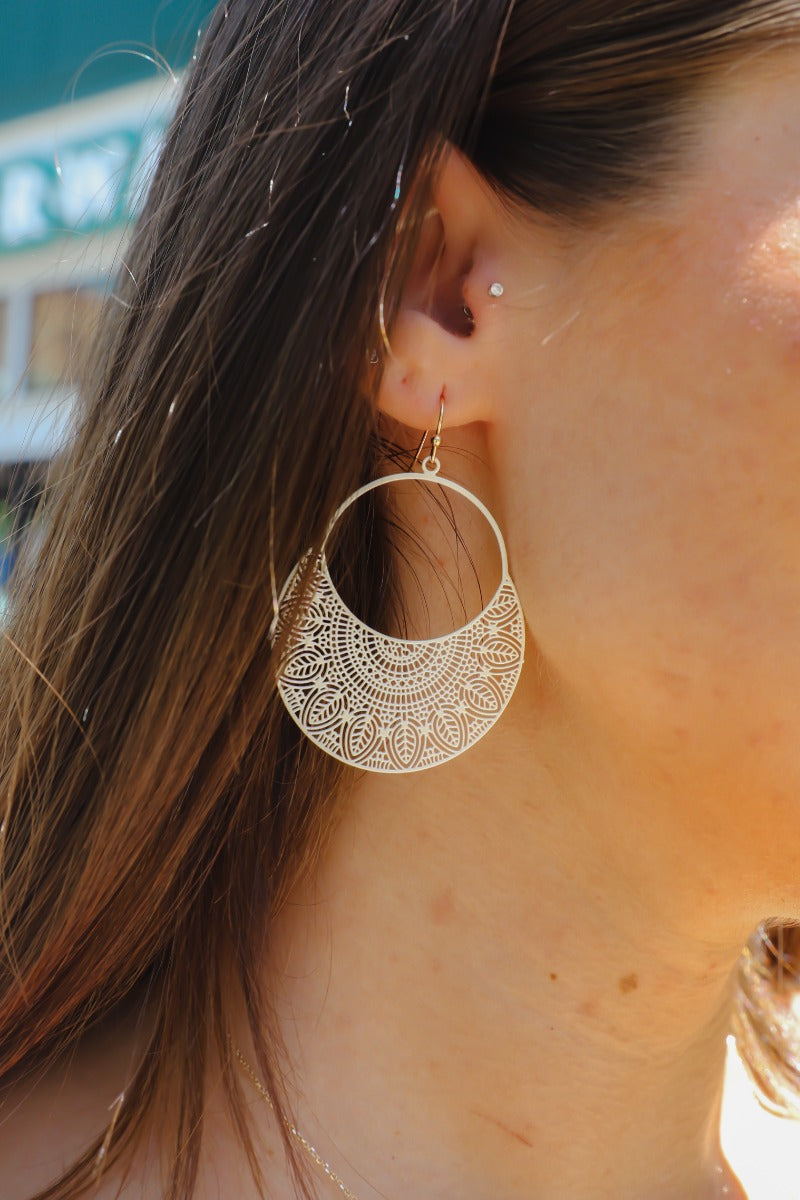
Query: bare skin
{"points": [[510, 976]]}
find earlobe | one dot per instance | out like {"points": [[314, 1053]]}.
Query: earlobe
{"points": [[427, 357], [439, 336]]}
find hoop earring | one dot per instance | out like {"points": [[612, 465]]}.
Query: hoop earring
{"points": [[388, 704]]}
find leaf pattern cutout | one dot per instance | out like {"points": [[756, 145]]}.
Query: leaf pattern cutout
{"points": [[302, 666], [360, 737], [323, 709], [405, 745], [499, 653], [450, 729]]}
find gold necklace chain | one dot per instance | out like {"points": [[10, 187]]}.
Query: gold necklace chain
{"points": [[310, 1150]]}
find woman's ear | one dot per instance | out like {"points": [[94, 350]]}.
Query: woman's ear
{"points": [[441, 335]]}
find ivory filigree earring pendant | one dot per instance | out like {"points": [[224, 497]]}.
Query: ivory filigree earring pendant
{"points": [[389, 704]]}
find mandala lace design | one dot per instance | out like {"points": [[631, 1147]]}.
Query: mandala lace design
{"points": [[390, 705]]}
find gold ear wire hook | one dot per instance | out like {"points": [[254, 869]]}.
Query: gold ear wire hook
{"points": [[436, 440]]}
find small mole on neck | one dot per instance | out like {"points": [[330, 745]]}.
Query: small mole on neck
{"points": [[628, 983], [553, 976]]}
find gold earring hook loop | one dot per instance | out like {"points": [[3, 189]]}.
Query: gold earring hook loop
{"points": [[436, 441]]}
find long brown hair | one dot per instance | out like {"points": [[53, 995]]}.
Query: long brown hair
{"points": [[156, 802]]}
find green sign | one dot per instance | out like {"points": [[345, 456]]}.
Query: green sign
{"points": [[87, 185]]}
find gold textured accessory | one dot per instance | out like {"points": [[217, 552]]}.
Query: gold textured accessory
{"points": [[303, 1142], [387, 704]]}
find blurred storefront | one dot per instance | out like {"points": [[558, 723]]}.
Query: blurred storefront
{"points": [[86, 90]]}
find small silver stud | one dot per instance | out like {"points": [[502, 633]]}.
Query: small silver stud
{"points": [[496, 290]]}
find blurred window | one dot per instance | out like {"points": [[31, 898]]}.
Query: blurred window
{"points": [[64, 326]]}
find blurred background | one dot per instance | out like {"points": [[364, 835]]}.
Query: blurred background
{"points": [[86, 89]]}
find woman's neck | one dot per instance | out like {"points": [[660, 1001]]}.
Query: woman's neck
{"points": [[509, 978]]}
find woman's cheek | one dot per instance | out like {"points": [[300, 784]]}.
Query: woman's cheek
{"points": [[766, 286]]}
